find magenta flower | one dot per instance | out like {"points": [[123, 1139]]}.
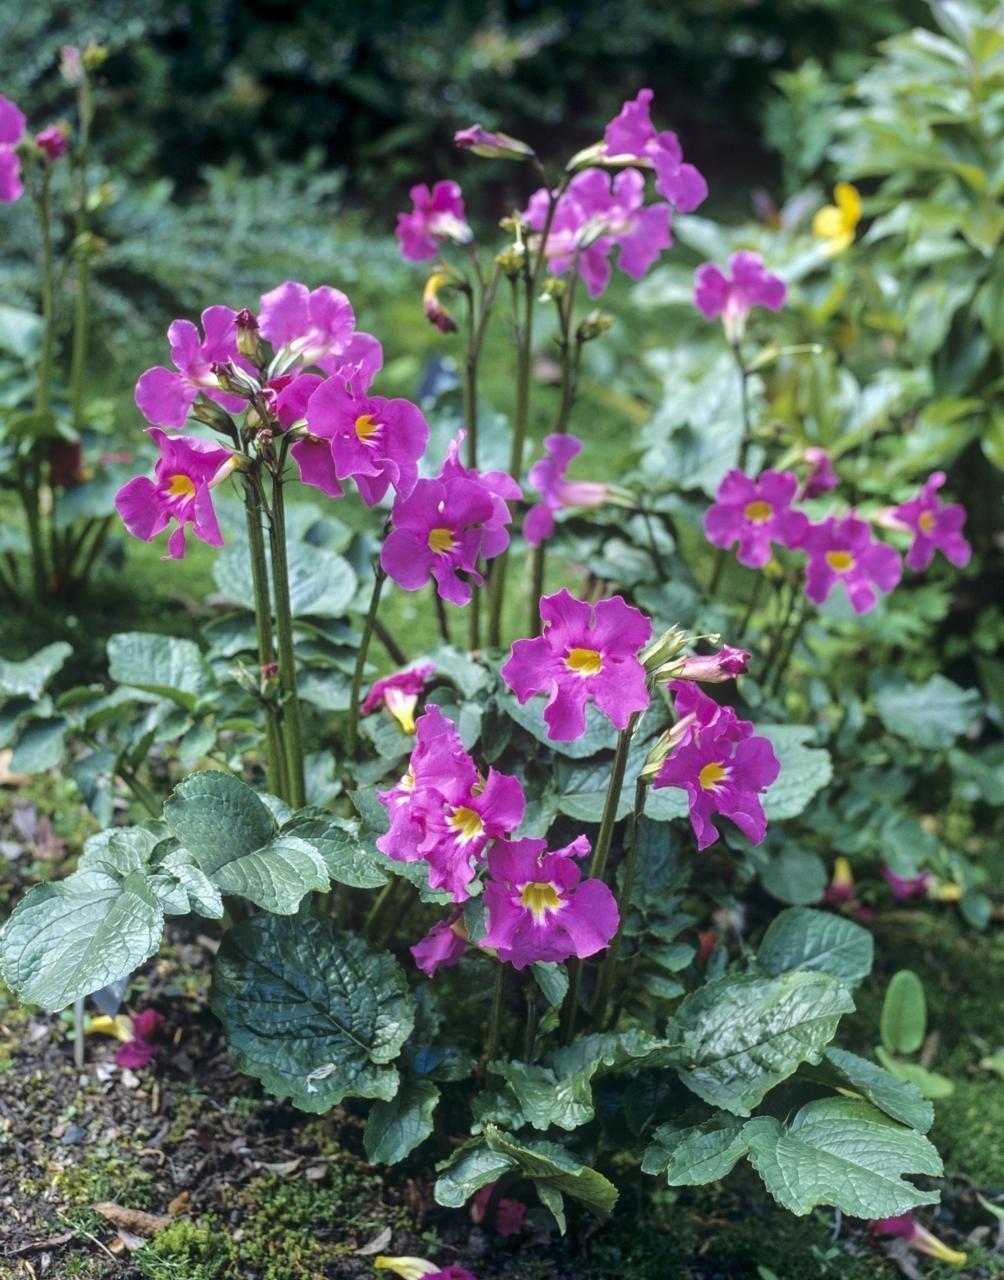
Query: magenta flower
{"points": [[936, 526], [140, 1049], [722, 767], [499, 484], [180, 490], [494, 146], [756, 513], [592, 219], [917, 1237], [548, 477], [631, 136], [751, 285], [12, 124], [52, 142], [437, 215], [903, 888], [319, 328], [822, 477], [537, 908], [377, 442], [400, 693], [715, 668], [441, 947], [165, 396], [583, 656], [843, 550], [509, 1214]]}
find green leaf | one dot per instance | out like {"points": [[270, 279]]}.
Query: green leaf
{"points": [[741, 1035], [930, 1084], [552, 980], [470, 1168], [29, 679], [804, 770], [904, 1013], [844, 1153], [118, 850], [347, 859], [68, 939], [164, 665], [313, 1012], [275, 877], [321, 582], [549, 1099], [599, 735], [20, 331], [801, 938], [696, 1154], [40, 746], [218, 818], [897, 1098], [548, 1164], [177, 866], [795, 876], [930, 714], [396, 1127]]}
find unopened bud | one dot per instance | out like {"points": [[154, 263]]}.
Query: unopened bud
{"points": [[94, 56], [663, 648], [713, 668], [248, 342], [552, 289], [512, 261], [210, 414], [234, 380], [494, 146], [71, 66], [666, 745], [595, 325], [53, 140]]}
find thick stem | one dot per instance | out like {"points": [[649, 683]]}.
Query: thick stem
{"points": [[275, 772], [441, 619], [745, 402], [364, 647], [609, 966], [379, 907], [78, 361], [495, 1021], [530, 1030], [537, 588], [394, 650], [43, 394], [287, 651], [777, 641], [793, 639]]}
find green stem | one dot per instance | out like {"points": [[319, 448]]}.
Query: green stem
{"points": [[394, 650], [378, 908], [253, 502], [43, 396], [287, 651], [530, 1030], [745, 402], [657, 559], [796, 635], [754, 597], [537, 588], [364, 647], [609, 965], [141, 791], [442, 622], [78, 360], [495, 1022], [777, 642]]}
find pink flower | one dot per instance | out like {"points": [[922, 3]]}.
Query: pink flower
{"points": [[378, 442], [583, 656], [12, 124], [632, 136], [442, 946], [400, 693], [903, 888], [822, 477], [936, 526], [165, 396], [420, 1269], [499, 484], [722, 767], [509, 1214], [180, 490], [319, 328], [140, 1049], [756, 513], [917, 1237], [843, 550], [840, 892], [537, 908], [715, 668], [494, 146], [548, 477], [442, 811], [52, 141], [592, 219], [751, 285], [437, 215]]}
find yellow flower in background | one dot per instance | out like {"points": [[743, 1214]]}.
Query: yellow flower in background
{"points": [[836, 223]]}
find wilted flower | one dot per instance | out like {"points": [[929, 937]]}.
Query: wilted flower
{"points": [[722, 767], [843, 550], [751, 285], [631, 136], [840, 891], [548, 477], [917, 1237], [180, 490], [52, 141], [903, 888], [165, 396], [400, 693], [509, 1214], [537, 908], [437, 215], [434, 310], [420, 1269], [494, 146], [836, 223], [936, 526], [137, 1034], [822, 477], [12, 124], [441, 947], [71, 64], [584, 655], [757, 513]]}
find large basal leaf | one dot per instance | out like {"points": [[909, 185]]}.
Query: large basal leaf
{"points": [[276, 877], [929, 714], [164, 665], [741, 1035], [347, 859], [181, 884], [321, 583], [897, 1098], [471, 1167], [547, 1164], [118, 850], [795, 876], [804, 770], [696, 1154], [845, 1153], [396, 1127], [28, 679], [314, 1012], [599, 735], [40, 746], [547, 1099], [218, 818], [68, 939], [801, 938]]}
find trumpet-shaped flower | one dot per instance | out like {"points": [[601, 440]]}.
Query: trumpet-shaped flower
{"points": [[12, 124], [822, 477], [180, 490], [494, 146], [538, 907], [400, 693], [141, 1047], [592, 218], [436, 215], [843, 550], [756, 513], [435, 312], [715, 668], [319, 328], [918, 1238], [723, 768], [441, 947], [732, 297], [631, 136], [903, 888], [936, 526], [584, 655], [836, 224], [165, 396], [841, 891], [499, 484], [375, 441], [548, 477]]}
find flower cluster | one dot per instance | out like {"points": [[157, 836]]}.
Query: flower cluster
{"points": [[50, 143]]}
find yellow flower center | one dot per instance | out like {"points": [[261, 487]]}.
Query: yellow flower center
{"points": [[466, 823], [585, 662], [366, 428], [441, 541], [711, 775], [540, 897], [926, 521], [180, 487], [840, 561], [758, 511]]}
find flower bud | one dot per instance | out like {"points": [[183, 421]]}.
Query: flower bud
{"points": [[595, 325], [94, 56], [234, 380], [248, 342], [714, 668], [210, 414], [553, 289], [494, 146], [434, 310], [71, 66], [663, 648], [406, 1268], [512, 261], [53, 140], [666, 745]]}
